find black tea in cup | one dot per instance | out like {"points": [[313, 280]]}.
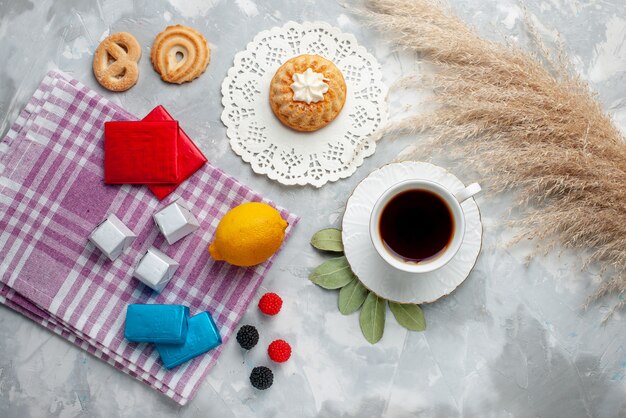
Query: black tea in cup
{"points": [[416, 225]]}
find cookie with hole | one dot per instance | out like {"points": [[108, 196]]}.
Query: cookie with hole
{"points": [[115, 62], [180, 54]]}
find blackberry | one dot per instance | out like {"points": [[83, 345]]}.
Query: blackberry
{"points": [[247, 336], [261, 377]]}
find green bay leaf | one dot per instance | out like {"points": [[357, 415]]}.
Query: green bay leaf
{"points": [[332, 274], [352, 296], [372, 318], [408, 315], [328, 239]]}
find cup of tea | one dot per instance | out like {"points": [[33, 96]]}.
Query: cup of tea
{"points": [[418, 225]]}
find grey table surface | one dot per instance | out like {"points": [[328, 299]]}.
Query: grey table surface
{"points": [[513, 340]]}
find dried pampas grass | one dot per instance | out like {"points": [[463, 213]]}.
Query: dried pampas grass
{"points": [[526, 123]]}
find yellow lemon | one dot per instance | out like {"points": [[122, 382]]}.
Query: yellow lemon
{"points": [[248, 234]]}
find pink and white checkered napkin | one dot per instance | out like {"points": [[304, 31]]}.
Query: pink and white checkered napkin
{"points": [[52, 196]]}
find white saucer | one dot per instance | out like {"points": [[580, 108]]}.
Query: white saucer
{"points": [[368, 265]]}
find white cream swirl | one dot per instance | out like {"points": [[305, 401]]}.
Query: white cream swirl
{"points": [[309, 86]]}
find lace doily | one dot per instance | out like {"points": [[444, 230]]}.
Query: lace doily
{"points": [[292, 157]]}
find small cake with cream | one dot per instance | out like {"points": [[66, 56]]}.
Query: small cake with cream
{"points": [[307, 92]]}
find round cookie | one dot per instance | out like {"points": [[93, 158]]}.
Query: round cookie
{"points": [[293, 85], [115, 62], [180, 54]]}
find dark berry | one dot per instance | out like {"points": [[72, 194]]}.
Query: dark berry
{"points": [[247, 336], [261, 377]]}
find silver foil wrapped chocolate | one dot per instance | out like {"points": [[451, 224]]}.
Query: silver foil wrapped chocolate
{"points": [[175, 221], [155, 269], [112, 237]]}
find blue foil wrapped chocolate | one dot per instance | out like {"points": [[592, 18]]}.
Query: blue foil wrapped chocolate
{"points": [[202, 336], [156, 323]]}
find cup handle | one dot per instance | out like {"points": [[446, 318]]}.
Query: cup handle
{"points": [[467, 192]]}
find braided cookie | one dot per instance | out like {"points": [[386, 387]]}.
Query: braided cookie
{"points": [[115, 62], [180, 54], [307, 92]]}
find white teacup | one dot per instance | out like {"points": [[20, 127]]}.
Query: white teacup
{"points": [[452, 200]]}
